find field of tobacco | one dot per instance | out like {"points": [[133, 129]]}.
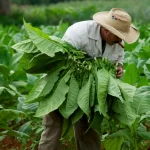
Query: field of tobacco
{"points": [[40, 73]]}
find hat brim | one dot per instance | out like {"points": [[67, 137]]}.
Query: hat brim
{"points": [[130, 37]]}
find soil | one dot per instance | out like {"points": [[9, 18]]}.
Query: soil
{"points": [[11, 143]]}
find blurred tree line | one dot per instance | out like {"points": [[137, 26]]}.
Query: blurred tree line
{"points": [[38, 2], [5, 5]]}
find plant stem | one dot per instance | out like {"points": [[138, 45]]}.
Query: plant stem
{"points": [[135, 146]]}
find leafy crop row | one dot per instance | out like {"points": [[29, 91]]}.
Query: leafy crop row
{"points": [[17, 117]]}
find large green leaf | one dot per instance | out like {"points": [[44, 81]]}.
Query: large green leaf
{"points": [[18, 134], [84, 97], [43, 41], [41, 63], [25, 46], [2, 137], [31, 64], [67, 131], [141, 100], [69, 47], [76, 115], [125, 133], [96, 122], [146, 72], [70, 105], [102, 90], [113, 88], [143, 81], [113, 143], [6, 93], [5, 56], [4, 70], [131, 74], [25, 59], [26, 127], [15, 59], [10, 114], [43, 86], [55, 99], [144, 53], [148, 64], [127, 90], [124, 112], [46, 63], [4, 125], [145, 135]]}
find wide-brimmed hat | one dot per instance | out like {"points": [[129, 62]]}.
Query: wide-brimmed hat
{"points": [[119, 23]]}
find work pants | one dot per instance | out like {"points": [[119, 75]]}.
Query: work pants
{"points": [[53, 123]]}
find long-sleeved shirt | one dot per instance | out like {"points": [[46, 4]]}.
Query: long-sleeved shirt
{"points": [[85, 35]]}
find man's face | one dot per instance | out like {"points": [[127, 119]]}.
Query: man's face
{"points": [[112, 39]]}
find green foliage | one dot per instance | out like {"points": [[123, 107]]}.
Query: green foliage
{"points": [[70, 105], [114, 143], [126, 124], [88, 86], [14, 84], [72, 11]]}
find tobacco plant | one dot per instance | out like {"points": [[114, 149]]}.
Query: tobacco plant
{"points": [[77, 85]]}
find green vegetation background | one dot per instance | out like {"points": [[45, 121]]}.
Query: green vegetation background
{"points": [[74, 11], [54, 19]]}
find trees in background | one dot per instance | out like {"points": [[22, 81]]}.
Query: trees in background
{"points": [[5, 7], [38, 2]]}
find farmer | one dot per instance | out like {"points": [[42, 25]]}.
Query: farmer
{"points": [[104, 36]]}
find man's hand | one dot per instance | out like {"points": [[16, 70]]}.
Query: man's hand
{"points": [[119, 71]]}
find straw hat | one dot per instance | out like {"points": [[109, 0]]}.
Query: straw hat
{"points": [[118, 22]]}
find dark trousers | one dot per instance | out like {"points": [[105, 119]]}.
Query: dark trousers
{"points": [[50, 138]]}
